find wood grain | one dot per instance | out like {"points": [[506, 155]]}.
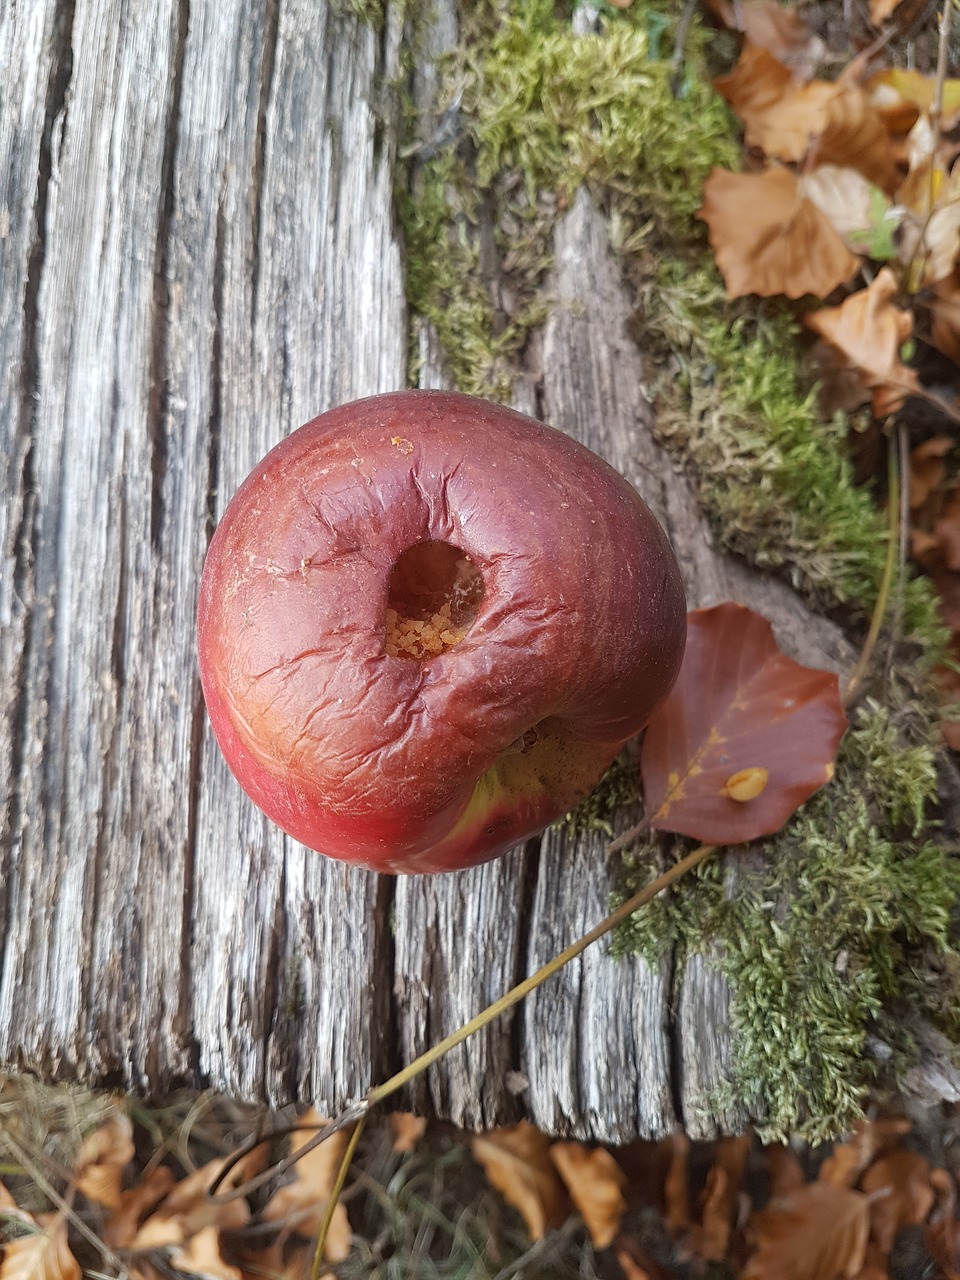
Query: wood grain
{"points": [[198, 253]]}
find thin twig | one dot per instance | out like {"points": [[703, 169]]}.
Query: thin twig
{"points": [[896, 622], [334, 1198], [630, 836], [535, 980], [883, 595]]}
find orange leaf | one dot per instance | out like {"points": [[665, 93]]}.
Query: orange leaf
{"points": [[904, 1176], [869, 331], [778, 117], [122, 1225], [201, 1256], [818, 1232], [517, 1162], [854, 134], [738, 699], [593, 1179], [774, 27], [783, 1168], [105, 1153], [188, 1208], [407, 1130], [303, 1202], [45, 1255], [928, 469], [768, 238], [900, 95], [720, 1199], [880, 10]]}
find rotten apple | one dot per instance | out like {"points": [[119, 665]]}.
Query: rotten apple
{"points": [[427, 624]]}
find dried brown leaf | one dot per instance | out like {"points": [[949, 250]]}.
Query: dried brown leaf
{"points": [[103, 1157], [869, 331], [407, 1130], [769, 239], [201, 1256], [928, 469], [880, 10], [944, 305], [905, 1178], [303, 1202], [594, 1181], [44, 1255], [779, 117], [188, 1208], [721, 1199], [783, 1169], [818, 1232], [517, 1163], [121, 1227]]}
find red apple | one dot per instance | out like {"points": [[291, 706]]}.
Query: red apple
{"points": [[427, 625]]}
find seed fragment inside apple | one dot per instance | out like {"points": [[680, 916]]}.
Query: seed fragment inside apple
{"points": [[427, 625]]}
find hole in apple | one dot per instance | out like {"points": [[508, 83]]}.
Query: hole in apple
{"points": [[433, 596]]}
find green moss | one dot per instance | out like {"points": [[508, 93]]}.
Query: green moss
{"points": [[844, 922], [544, 110], [776, 480], [617, 791]]}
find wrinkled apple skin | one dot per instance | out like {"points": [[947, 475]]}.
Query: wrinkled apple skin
{"points": [[407, 766]]}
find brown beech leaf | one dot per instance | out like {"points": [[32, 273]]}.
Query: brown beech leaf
{"points": [[818, 1232], [928, 469], [721, 1195], [905, 1178], [201, 1256], [779, 117], [407, 1130], [880, 10], [517, 1163], [775, 27], [847, 1160], [122, 1225], [768, 238], [944, 305], [857, 209], [188, 1208], [43, 1255], [104, 1154], [783, 1169], [855, 135], [302, 1203], [738, 701], [900, 95], [869, 331], [594, 1181], [941, 1235]]}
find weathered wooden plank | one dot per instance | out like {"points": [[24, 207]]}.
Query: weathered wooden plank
{"points": [[216, 263]]}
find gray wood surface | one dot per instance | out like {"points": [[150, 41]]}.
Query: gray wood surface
{"points": [[198, 253]]}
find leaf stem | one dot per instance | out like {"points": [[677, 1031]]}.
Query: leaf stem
{"points": [[334, 1198]]}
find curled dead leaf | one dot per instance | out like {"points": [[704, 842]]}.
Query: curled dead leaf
{"points": [[868, 330], [105, 1153], [517, 1163], [908, 1196], [817, 1231], [594, 1181], [769, 239], [42, 1255], [301, 1204]]}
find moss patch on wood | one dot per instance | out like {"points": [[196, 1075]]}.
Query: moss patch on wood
{"points": [[832, 934], [826, 938]]}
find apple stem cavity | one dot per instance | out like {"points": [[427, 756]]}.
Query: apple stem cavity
{"points": [[433, 597]]}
